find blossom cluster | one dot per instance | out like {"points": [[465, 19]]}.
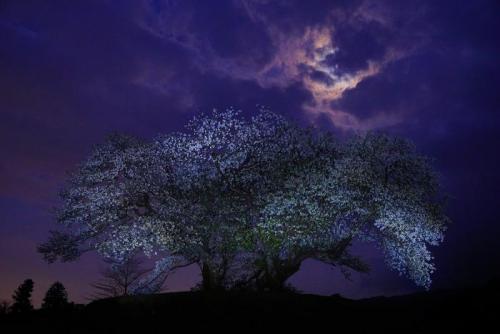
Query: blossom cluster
{"points": [[260, 195]]}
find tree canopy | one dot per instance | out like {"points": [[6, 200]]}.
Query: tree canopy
{"points": [[248, 200], [22, 297], [56, 297]]}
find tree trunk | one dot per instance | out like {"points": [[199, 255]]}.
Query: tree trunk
{"points": [[275, 275], [206, 276], [211, 280]]}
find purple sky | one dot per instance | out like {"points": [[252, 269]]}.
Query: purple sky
{"points": [[73, 71]]}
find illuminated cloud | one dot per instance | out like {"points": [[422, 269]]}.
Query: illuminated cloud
{"points": [[305, 57], [300, 58]]}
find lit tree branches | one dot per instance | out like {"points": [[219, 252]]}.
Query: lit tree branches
{"points": [[249, 200]]}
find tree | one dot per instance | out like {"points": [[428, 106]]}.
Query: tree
{"points": [[4, 307], [56, 297], [119, 278], [249, 200], [22, 297]]}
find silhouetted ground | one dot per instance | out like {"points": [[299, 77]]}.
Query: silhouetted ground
{"points": [[467, 311]]}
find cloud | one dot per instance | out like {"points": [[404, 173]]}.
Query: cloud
{"points": [[314, 54]]}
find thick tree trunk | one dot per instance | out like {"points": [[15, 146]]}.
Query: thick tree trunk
{"points": [[275, 275], [211, 281], [206, 276]]}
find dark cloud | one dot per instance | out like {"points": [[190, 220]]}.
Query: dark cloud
{"points": [[293, 16], [321, 76], [357, 44], [231, 33]]}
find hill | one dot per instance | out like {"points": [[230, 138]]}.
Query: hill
{"points": [[469, 310]]}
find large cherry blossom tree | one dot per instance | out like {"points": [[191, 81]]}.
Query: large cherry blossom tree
{"points": [[249, 200]]}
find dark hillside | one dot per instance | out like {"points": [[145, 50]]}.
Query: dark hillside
{"points": [[470, 310]]}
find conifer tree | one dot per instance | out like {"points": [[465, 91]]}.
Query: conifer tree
{"points": [[56, 297], [22, 297]]}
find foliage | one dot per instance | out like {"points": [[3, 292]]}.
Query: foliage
{"points": [[4, 307], [249, 200], [56, 297], [22, 297]]}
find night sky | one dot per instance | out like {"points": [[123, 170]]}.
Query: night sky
{"points": [[71, 72]]}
